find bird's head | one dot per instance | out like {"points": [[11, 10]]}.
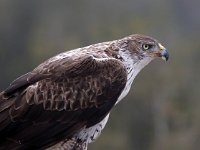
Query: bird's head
{"points": [[137, 51], [142, 46]]}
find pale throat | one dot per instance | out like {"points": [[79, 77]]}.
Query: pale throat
{"points": [[133, 65]]}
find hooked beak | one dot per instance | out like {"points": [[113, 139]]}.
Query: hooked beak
{"points": [[163, 52]]}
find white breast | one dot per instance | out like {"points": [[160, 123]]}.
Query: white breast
{"points": [[133, 68], [90, 134]]}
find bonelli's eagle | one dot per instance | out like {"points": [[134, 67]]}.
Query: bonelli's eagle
{"points": [[65, 102]]}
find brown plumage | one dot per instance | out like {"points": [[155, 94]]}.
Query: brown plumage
{"points": [[70, 92]]}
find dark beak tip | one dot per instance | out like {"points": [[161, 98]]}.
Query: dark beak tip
{"points": [[165, 55]]}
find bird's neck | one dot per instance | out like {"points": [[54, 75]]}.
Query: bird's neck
{"points": [[133, 66], [133, 63]]}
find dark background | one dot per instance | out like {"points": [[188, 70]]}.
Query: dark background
{"points": [[162, 111]]}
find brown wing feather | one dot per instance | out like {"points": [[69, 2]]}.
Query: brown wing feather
{"points": [[49, 68], [24, 81], [58, 99]]}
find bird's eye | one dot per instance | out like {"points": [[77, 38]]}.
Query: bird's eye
{"points": [[146, 46]]}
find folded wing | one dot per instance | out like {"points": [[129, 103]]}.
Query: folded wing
{"points": [[58, 99]]}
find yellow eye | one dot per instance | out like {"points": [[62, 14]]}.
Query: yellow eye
{"points": [[146, 46]]}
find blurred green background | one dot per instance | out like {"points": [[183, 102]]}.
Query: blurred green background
{"points": [[162, 111]]}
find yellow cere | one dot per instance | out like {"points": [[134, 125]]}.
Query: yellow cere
{"points": [[161, 47]]}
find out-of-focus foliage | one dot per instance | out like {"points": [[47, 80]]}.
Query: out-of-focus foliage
{"points": [[162, 111]]}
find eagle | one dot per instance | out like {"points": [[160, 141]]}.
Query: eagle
{"points": [[65, 102]]}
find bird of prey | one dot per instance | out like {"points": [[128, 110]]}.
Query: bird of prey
{"points": [[64, 103]]}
